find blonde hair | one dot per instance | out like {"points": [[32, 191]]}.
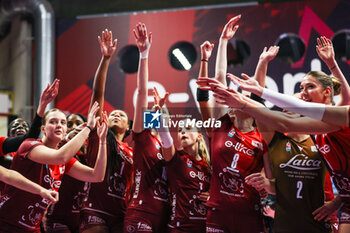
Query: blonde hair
{"points": [[203, 150], [327, 81]]}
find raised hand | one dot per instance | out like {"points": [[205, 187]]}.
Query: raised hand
{"points": [[92, 119], [48, 95], [209, 84], [269, 54], [102, 127], [229, 97], [246, 84], [159, 101], [50, 196], [325, 51], [107, 44], [143, 41], [230, 28], [206, 50]]}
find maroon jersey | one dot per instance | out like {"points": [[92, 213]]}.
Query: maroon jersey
{"points": [[2, 139], [335, 149], [21, 211], [109, 196], [234, 156], [67, 210], [187, 178], [150, 191]]}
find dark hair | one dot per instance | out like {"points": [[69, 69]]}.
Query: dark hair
{"points": [[78, 114], [12, 122], [43, 121]]}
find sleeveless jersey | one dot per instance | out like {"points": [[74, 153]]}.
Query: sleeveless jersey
{"points": [[234, 156], [150, 190], [300, 176], [187, 179], [23, 211], [109, 196]]}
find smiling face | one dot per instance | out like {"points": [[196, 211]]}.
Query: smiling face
{"points": [[18, 127], [118, 119], [311, 90], [55, 126]]}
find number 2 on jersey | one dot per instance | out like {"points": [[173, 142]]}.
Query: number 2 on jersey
{"points": [[299, 187]]}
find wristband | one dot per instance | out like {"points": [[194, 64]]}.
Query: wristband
{"points": [[333, 67], [202, 95], [144, 54], [165, 137], [88, 127], [205, 60]]}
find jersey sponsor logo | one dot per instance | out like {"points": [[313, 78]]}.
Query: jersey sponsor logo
{"points": [[200, 175], [197, 209], [302, 162], [160, 156], [231, 183], [34, 143], [157, 145], [214, 230], [341, 182], [4, 200], [140, 227], [314, 149], [189, 163], [96, 220], [258, 145], [137, 183], [55, 184], [124, 156], [324, 149], [239, 147], [231, 133], [288, 147], [33, 216]]}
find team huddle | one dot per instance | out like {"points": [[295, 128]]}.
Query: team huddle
{"points": [[82, 175]]}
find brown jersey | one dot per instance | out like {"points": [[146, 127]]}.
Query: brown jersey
{"points": [[300, 174]]}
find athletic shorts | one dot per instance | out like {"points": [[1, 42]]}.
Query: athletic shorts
{"points": [[91, 219], [139, 221], [226, 221]]}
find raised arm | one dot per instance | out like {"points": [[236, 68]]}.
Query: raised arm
{"points": [[143, 42], [96, 174], [12, 144], [221, 60], [202, 95], [168, 148], [333, 115], [17, 180], [108, 46], [45, 155], [260, 76], [278, 121], [325, 51]]}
